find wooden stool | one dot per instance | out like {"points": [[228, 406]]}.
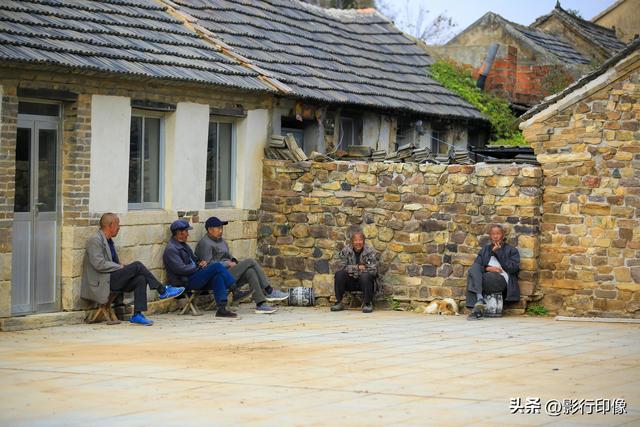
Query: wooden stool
{"points": [[105, 310], [190, 305]]}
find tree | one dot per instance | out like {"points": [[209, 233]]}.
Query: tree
{"points": [[417, 23]]}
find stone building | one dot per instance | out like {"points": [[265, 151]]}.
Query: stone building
{"points": [[159, 109], [593, 41], [529, 63], [587, 140], [532, 61], [622, 17]]}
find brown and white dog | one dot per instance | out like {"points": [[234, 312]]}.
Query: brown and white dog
{"points": [[446, 306]]}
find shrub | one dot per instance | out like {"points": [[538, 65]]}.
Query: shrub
{"points": [[460, 81]]}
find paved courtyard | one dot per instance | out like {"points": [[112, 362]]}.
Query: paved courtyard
{"points": [[309, 367]]}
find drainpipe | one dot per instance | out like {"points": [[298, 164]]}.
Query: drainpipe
{"points": [[486, 66]]}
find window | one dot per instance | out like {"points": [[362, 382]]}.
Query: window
{"points": [[219, 186], [439, 146], [145, 160]]}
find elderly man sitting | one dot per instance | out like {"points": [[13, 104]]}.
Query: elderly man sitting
{"points": [[104, 273], [494, 271], [358, 271], [213, 248], [196, 274]]}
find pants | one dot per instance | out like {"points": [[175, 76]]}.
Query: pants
{"points": [[214, 277], [135, 277], [483, 282], [249, 271], [365, 283]]}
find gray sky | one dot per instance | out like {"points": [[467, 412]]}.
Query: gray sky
{"points": [[465, 12]]}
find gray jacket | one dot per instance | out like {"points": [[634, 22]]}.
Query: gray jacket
{"points": [[214, 250], [96, 280]]}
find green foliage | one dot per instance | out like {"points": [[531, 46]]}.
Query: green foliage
{"points": [[574, 12], [555, 81], [515, 140], [537, 310], [460, 81], [394, 304]]}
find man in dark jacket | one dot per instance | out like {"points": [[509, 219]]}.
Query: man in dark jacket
{"points": [[194, 274], [213, 248], [358, 271], [495, 270]]}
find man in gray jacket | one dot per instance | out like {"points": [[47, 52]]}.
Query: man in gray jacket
{"points": [[213, 248], [104, 273]]}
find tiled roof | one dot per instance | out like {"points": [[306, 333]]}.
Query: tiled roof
{"points": [[553, 44], [603, 37], [630, 49], [331, 56]]}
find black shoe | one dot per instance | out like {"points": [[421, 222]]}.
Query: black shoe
{"points": [[476, 314], [368, 308], [337, 307], [223, 312]]}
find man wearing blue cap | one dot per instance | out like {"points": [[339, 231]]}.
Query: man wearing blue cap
{"points": [[104, 273], [193, 273], [213, 248]]}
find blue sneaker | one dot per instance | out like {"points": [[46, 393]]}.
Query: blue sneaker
{"points": [[139, 319], [171, 292], [276, 295], [265, 309]]}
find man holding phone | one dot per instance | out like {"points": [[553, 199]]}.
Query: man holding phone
{"points": [[193, 273]]}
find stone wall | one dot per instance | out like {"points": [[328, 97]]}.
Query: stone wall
{"points": [[590, 237], [428, 221]]}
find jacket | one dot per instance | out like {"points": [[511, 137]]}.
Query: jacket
{"points": [[177, 259], [97, 266], [369, 257], [509, 259]]}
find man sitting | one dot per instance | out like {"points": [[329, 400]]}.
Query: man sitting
{"points": [[495, 270], [194, 273], [358, 271], [103, 273], [213, 248]]}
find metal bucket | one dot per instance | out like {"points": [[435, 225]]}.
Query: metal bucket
{"points": [[301, 297], [493, 305]]}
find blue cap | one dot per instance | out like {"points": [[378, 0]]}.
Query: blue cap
{"points": [[180, 224], [214, 222]]}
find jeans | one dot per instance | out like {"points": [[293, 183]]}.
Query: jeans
{"points": [[213, 277]]}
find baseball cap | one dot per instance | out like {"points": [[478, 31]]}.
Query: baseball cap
{"points": [[215, 222], [180, 224]]}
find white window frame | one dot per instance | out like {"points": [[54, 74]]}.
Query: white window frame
{"points": [[234, 147], [161, 161]]}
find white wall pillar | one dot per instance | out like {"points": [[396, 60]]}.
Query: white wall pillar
{"points": [[186, 133], [110, 128], [252, 137]]}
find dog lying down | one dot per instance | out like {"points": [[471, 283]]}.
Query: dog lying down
{"points": [[446, 306]]}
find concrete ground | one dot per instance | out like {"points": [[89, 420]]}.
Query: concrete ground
{"points": [[309, 367]]}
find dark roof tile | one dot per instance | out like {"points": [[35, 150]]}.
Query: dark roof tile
{"points": [[326, 55]]}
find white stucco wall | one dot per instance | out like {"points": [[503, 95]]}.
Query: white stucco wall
{"points": [[110, 127], [186, 132], [252, 136]]}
